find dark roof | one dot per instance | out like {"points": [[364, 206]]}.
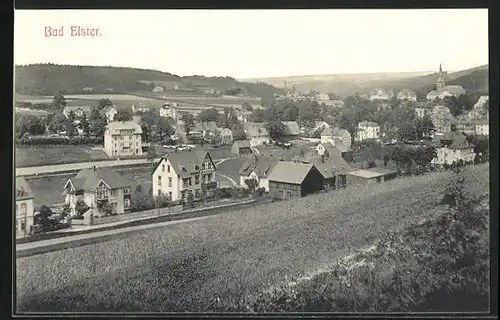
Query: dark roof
{"points": [[184, 162], [454, 140], [290, 172], [89, 179], [262, 166], [338, 145], [242, 144], [23, 190]]}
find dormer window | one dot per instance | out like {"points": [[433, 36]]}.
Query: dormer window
{"points": [[183, 169]]}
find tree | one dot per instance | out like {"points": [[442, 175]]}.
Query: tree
{"points": [[188, 122], [246, 106], [407, 132], [97, 123], [55, 122], [238, 132], [28, 124], [453, 104], [275, 128], [291, 113], [424, 126], [58, 101], [84, 125], [152, 154], [81, 207], [252, 184], [123, 115], [70, 128], [43, 217], [257, 115], [208, 115], [165, 127], [103, 103], [423, 157]]}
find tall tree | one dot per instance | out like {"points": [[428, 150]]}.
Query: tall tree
{"points": [[124, 115], [56, 122], [246, 106], [238, 132], [58, 101], [97, 123], [103, 103], [165, 127], [207, 115], [28, 124], [275, 128], [257, 115], [188, 122]]}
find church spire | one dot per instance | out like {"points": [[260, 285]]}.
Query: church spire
{"points": [[440, 69], [440, 85]]}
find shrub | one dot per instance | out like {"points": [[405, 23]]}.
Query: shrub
{"points": [[44, 140]]}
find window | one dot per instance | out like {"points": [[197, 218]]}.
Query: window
{"points": [[197, 179], [23, 225], [170, 195], [114, 193], [170, 181], [23, 210], [196, 167], [183, 194], [189, 181], [168, 168], [126, 202], [159, 180], [163, 167]]}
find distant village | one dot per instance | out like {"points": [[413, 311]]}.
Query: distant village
{"points": [[282, 159]]}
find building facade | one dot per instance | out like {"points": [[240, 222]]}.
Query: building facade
{"points": [[453, 147], [103, 190], [290, 179], [368, 130], [329, 134], [482, 128], [24, 207], [109, 112], [169, 110], [78, 111], [123, 139], [257, 168], [186, 173]]}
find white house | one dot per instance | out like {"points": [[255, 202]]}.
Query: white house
{"points": [[256, 133], [169, 110], [453, 147], [158, 89], [24, 207], [407, 94], [368, 130], [140, 108], [420, 112], [78, 111], [257, 168], [329, 134], [109, 112], [123, 138], [482, 127], [381, 94], [183, 173]]}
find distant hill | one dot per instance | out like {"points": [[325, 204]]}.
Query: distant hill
{"points": [[473, 80], [49, 79]]}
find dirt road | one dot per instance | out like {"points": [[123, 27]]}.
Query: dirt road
{"points": [[183, 268]]}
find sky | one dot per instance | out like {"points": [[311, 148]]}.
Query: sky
{"points": [[258, 43]]}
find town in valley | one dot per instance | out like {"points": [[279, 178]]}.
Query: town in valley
{"points": [[138, 190]]}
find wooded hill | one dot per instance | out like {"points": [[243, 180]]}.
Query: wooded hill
{"points": [[49, 79]]}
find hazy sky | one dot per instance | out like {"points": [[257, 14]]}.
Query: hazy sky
{"points": [[259, 43]]}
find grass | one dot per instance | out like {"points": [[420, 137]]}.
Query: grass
{"points": [[185, 267], [29, 156]]}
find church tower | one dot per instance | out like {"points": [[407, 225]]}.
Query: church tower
{"points": [[440, 86]]}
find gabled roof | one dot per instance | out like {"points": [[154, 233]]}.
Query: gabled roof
{"points": [[89, 179], [340, 146], [454, 140], [242, 144], [367, 124], [23, 190], [290, 172], [262, 166], [291, 128], [255, 129], [115, 127], [184, 162], [335, 132]]}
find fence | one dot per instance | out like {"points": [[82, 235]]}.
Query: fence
{"points": [[137, 215]]}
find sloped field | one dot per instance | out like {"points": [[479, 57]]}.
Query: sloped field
{"points": [[185, 267]]}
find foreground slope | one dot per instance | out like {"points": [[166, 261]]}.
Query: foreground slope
{"points": [[184, 268]]}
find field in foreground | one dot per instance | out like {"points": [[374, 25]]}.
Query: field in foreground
{"points": [[184, 268], [29, 156]]}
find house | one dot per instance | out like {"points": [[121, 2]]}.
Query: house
{"points": [[226, 136], [465, 125], [109, 112], [442, 119], [420, 112], [241, 147], [406, 94], [443, 90], [329, 134], [185, 173], [479, 111], [140, 108], [481, 102], [482, 127], [368, 130], [24, 207], [78, 111], [170, 110], [323, 96], [336, 147], [291, 130], [206, 129], [381, 94], [102, 189], [452, 147], [370, 176], [158, 89], [333, 166], [123, 138], [292, 179], [256, 133], [242, 114], [257, 168]]}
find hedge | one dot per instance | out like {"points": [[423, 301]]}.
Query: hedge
{"points": [[59, 140]]}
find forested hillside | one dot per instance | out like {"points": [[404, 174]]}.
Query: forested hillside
{"points": [[49, 79]]}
